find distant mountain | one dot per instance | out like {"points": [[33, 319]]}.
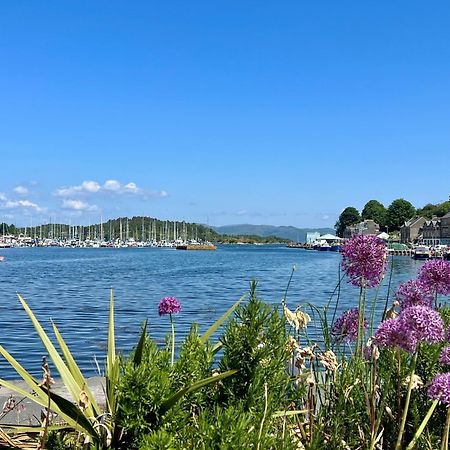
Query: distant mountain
{"points": [[292, 233]]}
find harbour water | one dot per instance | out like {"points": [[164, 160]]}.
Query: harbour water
{"points": [[71, 286]]}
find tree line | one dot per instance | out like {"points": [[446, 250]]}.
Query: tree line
{"points": [[390, 218]]}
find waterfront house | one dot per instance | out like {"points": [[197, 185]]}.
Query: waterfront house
{"points": [[312, 236], [366, 227], [445, 229], [411, 230], [431, 232]]}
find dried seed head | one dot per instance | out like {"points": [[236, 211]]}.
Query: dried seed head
{"points": [[417, 382], [298, 319], [84, 401], [47, 379], [328, 360]]}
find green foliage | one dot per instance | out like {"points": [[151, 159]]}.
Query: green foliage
{"points": [[344, 409], [254, 343], [158, 440], [141, 391], [251, 239], [430, 210], [194, 363], [8, 229], [233, 427], [348, 217], [227, 414], [56, 441], [442, 209], [398, 212], [376, 211]]}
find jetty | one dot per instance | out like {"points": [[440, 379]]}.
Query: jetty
{"points": [[196, 246]]}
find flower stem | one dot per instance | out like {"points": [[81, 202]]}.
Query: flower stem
{"points": [[388, 289], [173, 339], [373, 400], [419, 431], [359, 338], [406, 407], [361, 314], [444, 445]]}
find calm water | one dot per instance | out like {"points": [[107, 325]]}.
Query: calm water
{"points": [[71, 286]]}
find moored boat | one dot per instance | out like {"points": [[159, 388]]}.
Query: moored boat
{"points": [[336, 247], [294, 245], [324, 247], [421, 252]]}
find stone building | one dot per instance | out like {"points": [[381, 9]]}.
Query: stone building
{"points": [[445, 229], [431, 232], [411, 230], [366, 227]]}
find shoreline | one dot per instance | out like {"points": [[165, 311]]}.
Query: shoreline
{"points": [[27, 412]]}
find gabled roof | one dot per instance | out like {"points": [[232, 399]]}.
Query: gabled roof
{"points": [[413, 221], [329, 237]]}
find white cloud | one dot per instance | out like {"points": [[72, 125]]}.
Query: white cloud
{"points": [[2, 196], [111, 185], [90, 186], [25, 204], [131, 188], [78, 205], [67, 192], [83, 188], [22, 190], [116, 187]]}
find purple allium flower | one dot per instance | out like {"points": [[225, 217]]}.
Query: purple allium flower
{"points": [[439, 388], [391, 333], [345, 328], [169, 305], [444, 359], [423, 322], [414, 292], [364, 260], [436, 274], [414, 324]]}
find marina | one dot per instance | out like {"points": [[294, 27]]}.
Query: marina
{"points": [[119, 233]]}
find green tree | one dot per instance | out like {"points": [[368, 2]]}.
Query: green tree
{"points": [[376, 211], [427, 211], [349, 216], [442, 209], [399, 211]]}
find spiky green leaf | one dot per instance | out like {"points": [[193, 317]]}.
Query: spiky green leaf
{"points": [[171, 401], [214, 327]]}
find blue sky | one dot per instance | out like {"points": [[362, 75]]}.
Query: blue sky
{"points": [[221, 112]]}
